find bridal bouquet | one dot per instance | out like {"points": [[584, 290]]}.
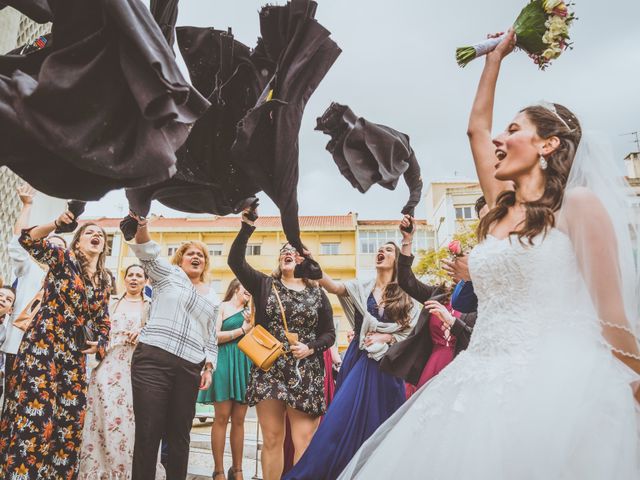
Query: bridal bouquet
{"points": [[542, 30]]}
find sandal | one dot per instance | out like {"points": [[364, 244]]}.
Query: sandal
{"points": [[231, 474], [215, 475]]}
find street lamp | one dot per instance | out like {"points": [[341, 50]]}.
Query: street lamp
{"points": [[440, 222]]}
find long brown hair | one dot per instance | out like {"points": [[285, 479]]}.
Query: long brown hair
{"points": [[540, 214], [101, 277], [396, 302], [231, 289], [177, 257]]}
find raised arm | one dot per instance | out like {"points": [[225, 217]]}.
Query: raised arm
{"points": [[594, 241], [481, 122], [406, 278], [35, 243], [26, 193], [148, 252], [331, 286], [249, 277]]}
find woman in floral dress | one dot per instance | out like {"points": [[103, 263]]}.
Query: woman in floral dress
{"points": [[41, 427], [294, 385], [108, 438]]}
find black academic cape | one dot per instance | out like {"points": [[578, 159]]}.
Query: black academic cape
{"points": [[368, 153], [266, 146], [102, 106]]}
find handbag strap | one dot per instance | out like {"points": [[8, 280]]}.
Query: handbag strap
{"points": [[284, 317]]}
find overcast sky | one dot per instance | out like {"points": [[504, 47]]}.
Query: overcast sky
{"points": [[398, 68]]}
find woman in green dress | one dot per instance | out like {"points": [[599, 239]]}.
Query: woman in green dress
{"points": [[229, 386]]}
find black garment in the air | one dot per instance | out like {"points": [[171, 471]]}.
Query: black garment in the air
{"points": [[165, 13], [102, 106], [232, 77], [247, 140], [266, 146], [367, 153]]}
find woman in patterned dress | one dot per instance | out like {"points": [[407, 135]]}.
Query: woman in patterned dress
{"points": [[294, 385], [108, 438], [41, 427]]}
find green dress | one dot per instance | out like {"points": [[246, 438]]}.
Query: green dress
{"points": [[232, 372]]}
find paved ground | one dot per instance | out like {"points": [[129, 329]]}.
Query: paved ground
{"points": [[201, 459]]}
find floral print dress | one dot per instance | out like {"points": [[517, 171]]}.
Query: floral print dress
{"points": [[299, 384], [41, 426], [109, 433]]}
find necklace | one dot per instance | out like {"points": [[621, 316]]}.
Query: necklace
{"points": [[132, 301]]}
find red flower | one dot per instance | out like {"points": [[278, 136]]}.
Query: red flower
{"points": [[455, 247]]}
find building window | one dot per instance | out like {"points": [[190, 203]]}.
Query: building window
{"points": [[253, 249], [329, 248], [215, 249], [172, 249], [464, 213], [371, 240]]}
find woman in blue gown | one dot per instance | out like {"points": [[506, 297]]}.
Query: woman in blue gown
{"points": [[381, 314]]}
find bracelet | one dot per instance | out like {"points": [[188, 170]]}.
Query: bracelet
{"points": [[55, 223], [406, 244], [242, 328]]}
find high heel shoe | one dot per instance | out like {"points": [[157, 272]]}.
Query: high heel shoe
{"points": [[231, 474]]}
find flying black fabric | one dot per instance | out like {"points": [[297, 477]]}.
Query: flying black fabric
{"points": [[103, 105], [232, 77], [367, 153], [165, 13], [266, 146], [259, 111]]}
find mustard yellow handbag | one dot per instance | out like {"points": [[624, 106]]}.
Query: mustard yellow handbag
{"points": [[262, 348]]}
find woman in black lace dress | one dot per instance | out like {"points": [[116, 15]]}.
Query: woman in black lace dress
{"points": [[294, 385]]}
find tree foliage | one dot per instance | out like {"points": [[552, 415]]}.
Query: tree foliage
{"points": [[429, 264]]}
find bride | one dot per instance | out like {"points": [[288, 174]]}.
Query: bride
{"points": [[545, 389]]}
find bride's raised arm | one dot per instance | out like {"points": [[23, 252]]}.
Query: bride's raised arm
{"points": [[481, 121], [594, 240]]}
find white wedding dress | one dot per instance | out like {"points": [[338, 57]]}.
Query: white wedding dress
{"points": [[537, 395]]}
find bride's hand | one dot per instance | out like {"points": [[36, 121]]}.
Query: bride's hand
{"points": [[505, 47]]}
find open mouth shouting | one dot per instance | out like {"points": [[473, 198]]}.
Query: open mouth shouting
{"points": [[380, 257], [95, 241]]}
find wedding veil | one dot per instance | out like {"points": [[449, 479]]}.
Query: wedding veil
{"points": [[602, 215]]}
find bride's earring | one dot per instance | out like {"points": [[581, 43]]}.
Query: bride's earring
{"points": [[543, 163]]}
